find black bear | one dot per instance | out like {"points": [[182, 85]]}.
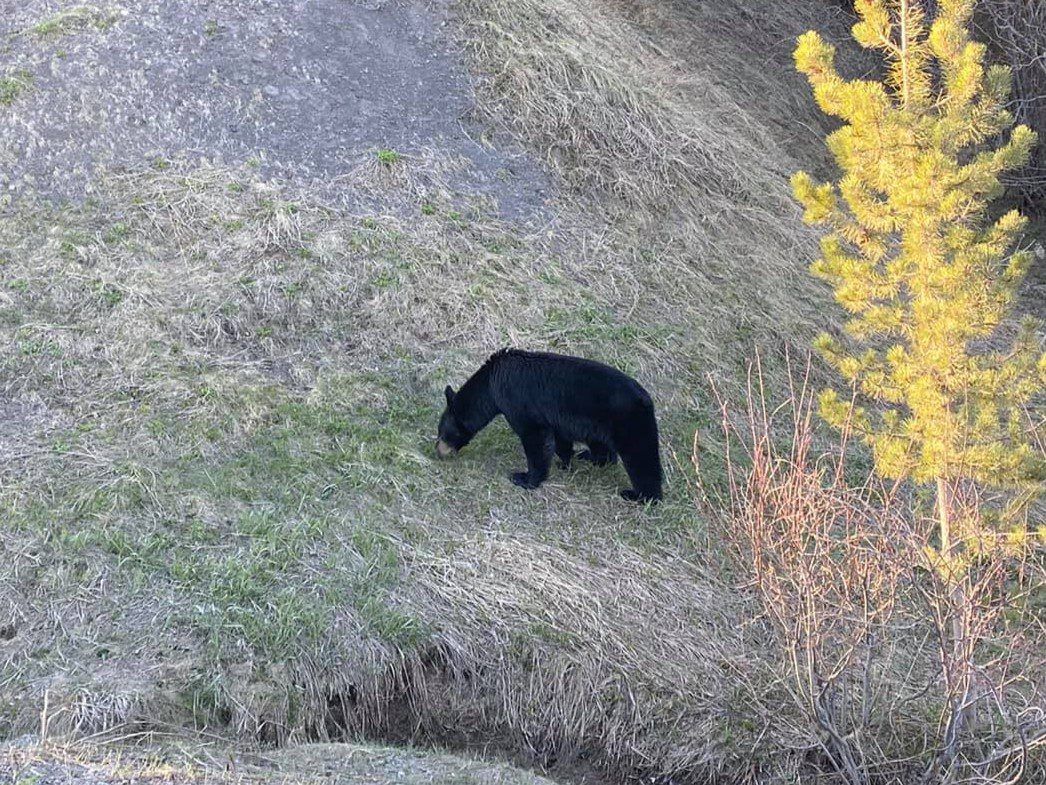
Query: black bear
{"points": [[552, 401]]}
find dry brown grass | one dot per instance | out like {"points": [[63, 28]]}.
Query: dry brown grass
{"points": [[680, 121], [665, 106], [181, 759]]}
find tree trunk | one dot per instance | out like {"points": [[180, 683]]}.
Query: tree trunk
{"points": [[959, 672]]}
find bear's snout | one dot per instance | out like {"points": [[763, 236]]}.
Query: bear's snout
{"points": [[444, 450]]}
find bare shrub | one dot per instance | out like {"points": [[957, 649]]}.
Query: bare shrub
{"points": [[823, 559], [990, 675], [860, 615]]}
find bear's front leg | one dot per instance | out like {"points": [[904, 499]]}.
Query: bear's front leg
{"points": [[536, 444]]}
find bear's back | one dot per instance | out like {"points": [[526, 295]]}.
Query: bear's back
{"points": [[515, 366]]}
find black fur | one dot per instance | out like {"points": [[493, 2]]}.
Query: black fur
{"points": [[552, 401]]}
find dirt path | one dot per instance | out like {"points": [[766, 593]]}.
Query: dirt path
{"points": [[303, 87]]}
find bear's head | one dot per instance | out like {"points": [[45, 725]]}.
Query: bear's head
{"points": [[453, 433]]}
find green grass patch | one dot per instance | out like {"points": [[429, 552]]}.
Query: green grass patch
{"points": [[76, 19], [13, 85], [250, 588], [250, 531]]}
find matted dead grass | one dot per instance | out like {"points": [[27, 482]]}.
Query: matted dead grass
{"points": [[681, 122], [180, 759]]}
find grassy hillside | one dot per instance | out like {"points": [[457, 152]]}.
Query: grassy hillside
{"points": [[225, 499], [219, 392]]}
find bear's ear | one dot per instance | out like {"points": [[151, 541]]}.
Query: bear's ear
{"points": [[449, 392]]}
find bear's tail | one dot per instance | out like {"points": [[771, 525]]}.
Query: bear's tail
{"points": [[637, 444]]}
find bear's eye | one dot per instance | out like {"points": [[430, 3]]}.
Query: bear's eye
{"points": [[451, 432], [447, 427]]}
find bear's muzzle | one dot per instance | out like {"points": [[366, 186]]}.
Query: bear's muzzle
{"points": [[444, 450]]}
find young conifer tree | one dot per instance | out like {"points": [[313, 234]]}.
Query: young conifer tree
{"points": [[923, 271]]}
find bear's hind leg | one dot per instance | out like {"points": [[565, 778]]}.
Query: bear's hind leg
{"points": [[644, 470], [646, 484], [598, 454], [638, 446], [564, 450]]}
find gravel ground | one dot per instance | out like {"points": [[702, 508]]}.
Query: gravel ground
{"points": [[303, 87]]}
